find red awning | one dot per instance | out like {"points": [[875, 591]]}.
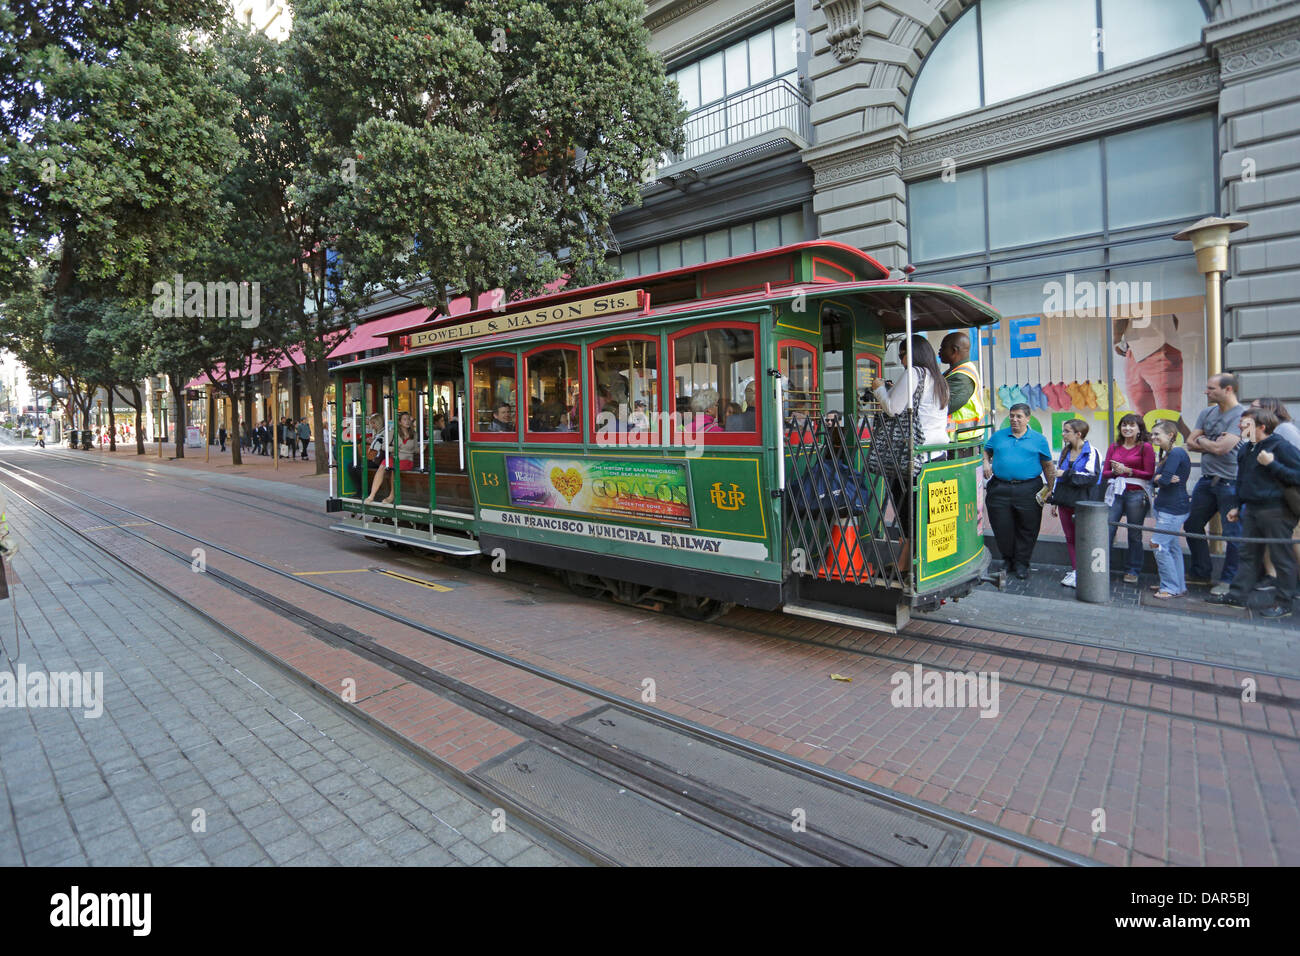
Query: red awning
{"points": [[374, 335]]}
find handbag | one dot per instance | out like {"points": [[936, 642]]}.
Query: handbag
{"points": [[829, 489], [890, 438], [1074, 486]]}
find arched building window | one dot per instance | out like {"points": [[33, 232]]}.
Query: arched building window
{"points": [[1001, 49]]}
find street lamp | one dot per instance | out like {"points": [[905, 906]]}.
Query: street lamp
{"points": [[1209, 239]]}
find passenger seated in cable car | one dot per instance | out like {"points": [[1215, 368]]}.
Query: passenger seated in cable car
{"points": [[438, 432], [704, 407], [743, 421], [405, 446], [638, 421], [502, 419]]}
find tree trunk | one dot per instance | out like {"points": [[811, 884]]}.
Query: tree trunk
{"points": [[138, 403], [236, 457], [316, 375], [112, 423], [178, 417]]}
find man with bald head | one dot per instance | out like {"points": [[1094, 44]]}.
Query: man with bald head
{"points": [[965, 391]]}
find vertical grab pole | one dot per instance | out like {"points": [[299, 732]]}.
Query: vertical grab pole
{"points": [[986, 399], [356, 412], [911, 432], [335, 490], [388, 438], [460, 429], [421, 406], [780, 433]]}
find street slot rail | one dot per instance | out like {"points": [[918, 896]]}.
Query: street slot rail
{"points": [[767, 624], [768, 833]]}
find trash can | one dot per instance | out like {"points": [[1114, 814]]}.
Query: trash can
{"points": [[72, 437]]}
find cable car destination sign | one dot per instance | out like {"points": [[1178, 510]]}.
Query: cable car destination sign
{"points": [[547, 315]]}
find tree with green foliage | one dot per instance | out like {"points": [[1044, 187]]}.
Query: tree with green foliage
{"points": [[115, 136], [489, 143], [277, 221]]}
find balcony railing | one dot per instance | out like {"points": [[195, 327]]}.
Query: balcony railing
{"points": [[777, 104]]}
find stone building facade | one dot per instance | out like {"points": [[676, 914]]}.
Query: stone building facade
{"points": [[1015, 148]]}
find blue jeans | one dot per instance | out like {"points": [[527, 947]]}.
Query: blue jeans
{"points": [[1169, 553], [1211, 495], [1132, 505]]}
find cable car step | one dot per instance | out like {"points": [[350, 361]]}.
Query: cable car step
{"points": [[443, 543], [853, 617]]}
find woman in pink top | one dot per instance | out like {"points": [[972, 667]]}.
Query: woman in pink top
{"points": [[1130, 465]]}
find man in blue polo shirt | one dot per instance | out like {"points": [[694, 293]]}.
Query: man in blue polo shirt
{"points": [[1017, 461]]}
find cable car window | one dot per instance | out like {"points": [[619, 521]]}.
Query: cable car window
{"points": [[625, 376], [495, 404], [798, 364], [713, 380], [554, 379]]}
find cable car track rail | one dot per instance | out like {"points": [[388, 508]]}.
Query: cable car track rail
{"points": [[511, 714], [1108, 670]]}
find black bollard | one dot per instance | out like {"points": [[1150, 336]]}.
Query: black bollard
{"points": [[1092, 551]]}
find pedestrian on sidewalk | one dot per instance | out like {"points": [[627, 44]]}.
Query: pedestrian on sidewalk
{"points": [[304, 436], [1266, 466], [1171, 508], [1215, 436], [1289, 433], [221, 437], [40, 437], [1078, 479], [8, 545], [1130, 465], [1014, 489]]}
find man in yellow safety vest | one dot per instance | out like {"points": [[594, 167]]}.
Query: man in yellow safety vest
{"points": [[966, 407]]}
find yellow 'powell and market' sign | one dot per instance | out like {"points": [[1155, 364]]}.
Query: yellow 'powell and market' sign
{"points": [[548, 315]]}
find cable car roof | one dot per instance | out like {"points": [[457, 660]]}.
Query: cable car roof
{"points": [[935, 308], [706, 280]]}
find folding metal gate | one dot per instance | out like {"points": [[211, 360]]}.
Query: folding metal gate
{"points": [[841, 519]]}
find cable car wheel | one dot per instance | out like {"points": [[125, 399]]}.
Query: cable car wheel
{"points": [[696, 608], [586, 585]]}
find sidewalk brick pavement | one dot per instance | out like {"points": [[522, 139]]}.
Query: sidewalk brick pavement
{"points": [[194, 721]]}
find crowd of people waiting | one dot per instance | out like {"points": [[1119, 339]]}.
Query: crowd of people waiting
{"points": [[1250, 477], [292, 437]]}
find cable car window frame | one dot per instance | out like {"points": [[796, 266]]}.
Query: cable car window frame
{"points": [[722, 437], [522, 420], [471, 430], [654, 437]]}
